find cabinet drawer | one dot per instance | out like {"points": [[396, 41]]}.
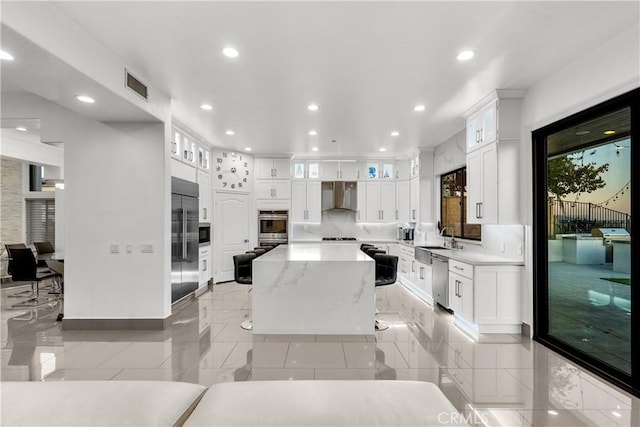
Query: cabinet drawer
{"points": [[461, 268]]}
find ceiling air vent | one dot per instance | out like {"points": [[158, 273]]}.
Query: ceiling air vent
{"points": [[135, 85]]}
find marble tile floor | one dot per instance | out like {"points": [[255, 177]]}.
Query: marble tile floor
{"points": [[501, 380]]}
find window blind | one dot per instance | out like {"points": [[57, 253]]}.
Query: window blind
{"points": [[41, 221]]}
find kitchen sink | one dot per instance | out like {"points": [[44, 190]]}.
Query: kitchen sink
{"points": [[432, 247]]}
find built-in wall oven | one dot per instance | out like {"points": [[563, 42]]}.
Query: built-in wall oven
{"points": [[273, 227]]}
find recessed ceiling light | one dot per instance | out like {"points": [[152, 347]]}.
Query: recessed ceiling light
{"points": [[616, 414], [552, 412], [314, 149], [465, 55], [230, 132], [419, 107], [206, 107], [6, 56], [382, 149], [230, 52], [395, 133], [247, 149], [85, 99], [312, 107], [582, 132], [609, 132], [313, 133], [21, 129]]}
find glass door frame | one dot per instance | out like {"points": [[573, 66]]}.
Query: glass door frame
{"points": [[628, 382]]}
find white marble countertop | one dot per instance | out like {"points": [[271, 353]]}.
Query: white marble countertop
{"points": [[476, 258], [319, 251]]}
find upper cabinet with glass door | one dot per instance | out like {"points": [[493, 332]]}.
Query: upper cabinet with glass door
{"points": [[494, 118], [203, 158], [306, 169], [380, 169], [184, 147]]}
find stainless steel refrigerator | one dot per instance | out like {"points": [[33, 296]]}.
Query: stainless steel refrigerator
{"points": [[184, 238]]}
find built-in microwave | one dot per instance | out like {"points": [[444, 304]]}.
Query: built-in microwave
{"points": [[205, 233], [273, 227]]}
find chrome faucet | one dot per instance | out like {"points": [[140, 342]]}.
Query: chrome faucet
{"points": [[453, 243]]}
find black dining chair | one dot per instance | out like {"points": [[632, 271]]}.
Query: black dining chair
{"points": [[257, 251], [243, 274], [9, 247], [366, 245], [43, 249], [25, 269], [386, 274]]}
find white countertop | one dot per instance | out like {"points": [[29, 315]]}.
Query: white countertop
{"points": [[476, 258], [318, 251]]}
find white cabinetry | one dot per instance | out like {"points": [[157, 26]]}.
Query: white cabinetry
{"points": [[272, 168], [482, 126], [306, 201], [273, 189], [204, 197], [340, 170], [485, 298], [380, 201], [482, 186], [204, 269], [407, 265], [403, 201], [461, 294], [361, 213], [408, 200], [306, 169], [424, 279], [272, 183], [493, 138], [414, 192]]}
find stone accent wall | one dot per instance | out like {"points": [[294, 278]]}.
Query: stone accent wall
{"points": [[11, 201]]}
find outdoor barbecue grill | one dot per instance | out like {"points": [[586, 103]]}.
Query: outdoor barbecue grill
{"points": [[609, 235]]}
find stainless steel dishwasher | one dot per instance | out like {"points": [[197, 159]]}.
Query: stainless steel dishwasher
{"points": [[440, 280], [440, 272]]}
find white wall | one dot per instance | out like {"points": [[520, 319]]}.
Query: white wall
{"points": [[607, 71], [117, 191], [116, 194]]}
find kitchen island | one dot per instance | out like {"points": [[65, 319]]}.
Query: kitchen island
{"points": [[314, 288]]}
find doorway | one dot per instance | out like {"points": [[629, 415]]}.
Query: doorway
{"points": [[585, 303], [231, 225]]}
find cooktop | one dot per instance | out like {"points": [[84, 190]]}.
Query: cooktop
{"points": [[339, 238]]}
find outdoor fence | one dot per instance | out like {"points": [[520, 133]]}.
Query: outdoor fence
{"points": [[566, 217]]}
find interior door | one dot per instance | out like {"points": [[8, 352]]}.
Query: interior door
{"points": [[231, 225]]}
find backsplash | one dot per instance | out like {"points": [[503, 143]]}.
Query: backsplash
{"points": [[342, 223]]}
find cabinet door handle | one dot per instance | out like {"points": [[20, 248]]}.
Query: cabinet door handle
{"points": [[421, 272], [396, 214], [458, 288], [413, 215], [358, 175], [204, 265], [478, 210], [478, 136], [458, 268], [205, 213], [413, 266]]}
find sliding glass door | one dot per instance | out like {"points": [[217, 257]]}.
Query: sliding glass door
{"points": [[585, 303]]}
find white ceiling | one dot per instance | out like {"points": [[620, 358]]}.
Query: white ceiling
{"points": [[366, 64]]}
